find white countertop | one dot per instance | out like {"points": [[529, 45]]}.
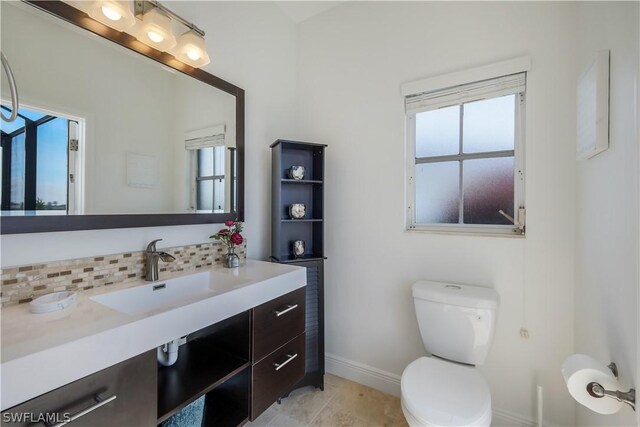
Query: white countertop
{"points": [[41, 352]]}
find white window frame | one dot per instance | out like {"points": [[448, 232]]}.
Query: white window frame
{"points": [[455, 79], [194, 181], [210, 137]]}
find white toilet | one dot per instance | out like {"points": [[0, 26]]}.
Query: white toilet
{"points": [[457, 323]]}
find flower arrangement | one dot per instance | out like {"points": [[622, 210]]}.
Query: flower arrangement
{"points": [[230, 236]]}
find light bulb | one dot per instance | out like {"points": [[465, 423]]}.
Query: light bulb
{"points": [[155, 37], [111, 14], [155, 30], [193, 54], [191, 49]]}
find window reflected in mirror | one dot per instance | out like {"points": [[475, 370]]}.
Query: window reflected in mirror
{"points": [[38, 162], [210, 179]]}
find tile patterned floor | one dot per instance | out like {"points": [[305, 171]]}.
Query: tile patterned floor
{"points": [[342, 403]]}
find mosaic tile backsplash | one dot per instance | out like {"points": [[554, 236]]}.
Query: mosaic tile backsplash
{"points": [[22, 284]]}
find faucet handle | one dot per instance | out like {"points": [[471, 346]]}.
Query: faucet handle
{"points": [[151, 247]]}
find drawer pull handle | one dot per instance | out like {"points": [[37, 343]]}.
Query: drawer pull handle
{"points": [[290, 357], [286, 310], [99, 402]]}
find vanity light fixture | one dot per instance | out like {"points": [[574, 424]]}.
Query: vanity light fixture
{"points": [[191, 49], [115, 14], [152, 24], [155, 30]]}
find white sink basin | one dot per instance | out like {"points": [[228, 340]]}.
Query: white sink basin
{"points": [[168, 293]]}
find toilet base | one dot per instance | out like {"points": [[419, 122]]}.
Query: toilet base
{"points": [[414, 422], [435, 392], [411, 420]]}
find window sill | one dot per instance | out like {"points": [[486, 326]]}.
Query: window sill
{"points": [[466, 231]]}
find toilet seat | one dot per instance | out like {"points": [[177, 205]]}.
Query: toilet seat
{"points": [[440, 393]]}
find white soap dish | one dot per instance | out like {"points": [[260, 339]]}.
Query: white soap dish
{"points": [[53, 302]]}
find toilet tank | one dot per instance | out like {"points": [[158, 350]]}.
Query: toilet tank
{"points": [[457, 322]]}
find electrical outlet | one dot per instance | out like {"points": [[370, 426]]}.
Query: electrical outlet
{"points": [[524, 333]]}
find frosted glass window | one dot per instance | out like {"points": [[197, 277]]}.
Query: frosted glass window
{"points": [[210, 188], [438, 132], [219, 160], [205, 195], [205, 162], [437, 192], [489, 125], [464, 162], [488, 188], [211, 161], [218, 193]]}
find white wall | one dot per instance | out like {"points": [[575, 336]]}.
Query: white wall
{"points": [[607, 207], [352, 61], [251, 44]]}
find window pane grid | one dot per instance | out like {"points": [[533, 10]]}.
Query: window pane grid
{"points": [[461, 192], [461, 167], [506, 153], [210, 179], [477, 201]]}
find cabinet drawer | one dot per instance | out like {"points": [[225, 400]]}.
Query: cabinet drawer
{"points": [[277, 322], [276, 374], [132, 382]]}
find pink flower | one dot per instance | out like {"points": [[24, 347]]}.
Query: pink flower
{"points": [[223, 232], [236, 238], [229, 223]]}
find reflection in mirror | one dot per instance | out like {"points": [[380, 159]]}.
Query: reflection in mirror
{"points": [[29, 185], [104, 130]]}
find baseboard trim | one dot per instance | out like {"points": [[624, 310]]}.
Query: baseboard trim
{"points": [[363, 374], [390, 383], [502, 418]]}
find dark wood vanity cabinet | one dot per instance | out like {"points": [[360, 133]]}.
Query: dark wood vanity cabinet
{"points": [[278, 350], [122, 395], [276, 322], [241, 365], [214, 362], [314, 324]]}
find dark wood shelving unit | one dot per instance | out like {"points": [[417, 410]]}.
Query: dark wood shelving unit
{"points": [[308, 191], [214, 362], [307, 257], [226, 405], [285, 230], [301, 181], [198, 370], [224, 415]]}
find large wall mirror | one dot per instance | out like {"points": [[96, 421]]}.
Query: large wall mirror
{"points": [[111, 133]]}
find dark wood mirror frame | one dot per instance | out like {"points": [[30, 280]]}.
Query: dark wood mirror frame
{"points": [[43, 224]]}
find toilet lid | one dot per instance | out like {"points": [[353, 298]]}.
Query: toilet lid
{"points": [[444, 393]]}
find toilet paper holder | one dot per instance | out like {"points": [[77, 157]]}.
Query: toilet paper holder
{"points": [[596, 390]]}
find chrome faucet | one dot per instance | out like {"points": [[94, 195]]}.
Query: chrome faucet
{"points": [[152, 260]]}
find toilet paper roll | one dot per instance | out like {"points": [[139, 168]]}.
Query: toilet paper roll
{"points": [[578, 371]]}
